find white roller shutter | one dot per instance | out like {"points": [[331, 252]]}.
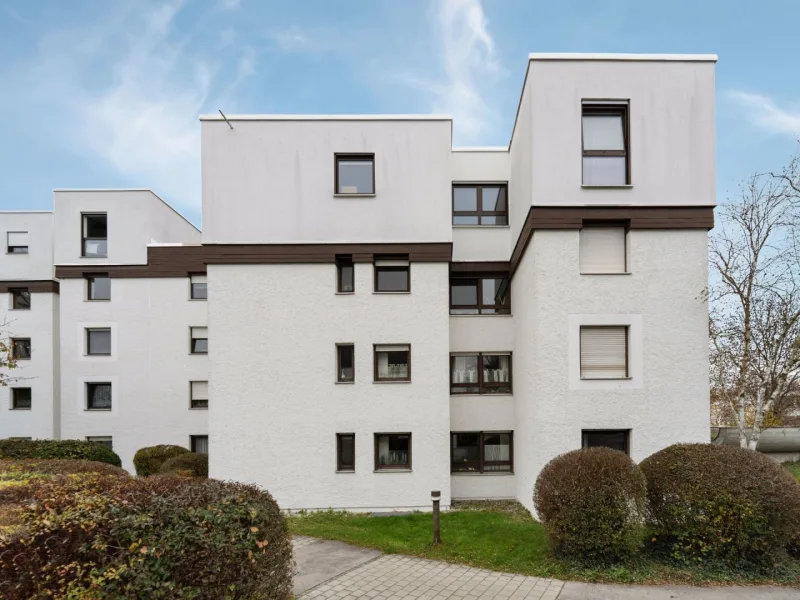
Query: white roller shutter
{"points": [[200, 333], [199, 390], [602, 250], [18, 238], [604, 352]]}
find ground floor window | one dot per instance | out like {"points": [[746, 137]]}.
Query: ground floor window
{"points": [[199, 443], [392, 451], [618, 439], [101, 439], [482, 452], [345, 451]]}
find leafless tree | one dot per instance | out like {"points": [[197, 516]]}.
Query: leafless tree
{"points": [[7, 360]]}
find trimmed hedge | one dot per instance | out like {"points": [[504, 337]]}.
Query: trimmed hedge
{"points": [[67, 449], [722, 502], [16, 469], [591, 503], [148, 461], [100, 537], [193, 464]]}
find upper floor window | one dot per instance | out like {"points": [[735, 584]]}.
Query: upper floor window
{"points": [[21, 348], [17, 242], [98, 396], [602, 249], [98, 287], [354, 174], [20, 298], [98, 341], [345, 275], [480, 373], [198, 394], [480, 204], [345, 363], [604, 352], [392, 274], [21, 398], [392, 363], [199, 340], [481, 452], [199, 287], [95, 234], [616, 439], [605, 143], [480, 296]]}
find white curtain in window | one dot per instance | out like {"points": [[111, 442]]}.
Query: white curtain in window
{"points": [[602, 250], [604, 352], [465, 369], [603, 132], [201, 444], [499, 374], [496, 452], [389, 366]]}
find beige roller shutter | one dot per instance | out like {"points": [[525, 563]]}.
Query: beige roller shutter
{"points": [[602, 250], [604, 352]]}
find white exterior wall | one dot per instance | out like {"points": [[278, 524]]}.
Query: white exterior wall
{"points": [[275, 408], [38, 263]]}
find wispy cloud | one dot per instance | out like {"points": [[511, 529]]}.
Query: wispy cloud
{"points": [[289, 40], [767, 114]]}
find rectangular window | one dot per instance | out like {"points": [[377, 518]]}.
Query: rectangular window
{"points": [[98, 396], [98, 342], [608, 438], [198, 392], [199, 340], [199, 287], [95, 235], [602, 249], [605, 144], [345, 275], [392, 274], [20, 298], [480, 296], [392, 362], [21, 348], [17, 242], [199, 443], [21, 398], [604, 352], [106, 440], [480, 204], [345, 451], [482, 452], [98, 287], [480, 373], [345, 363], [392, 451], [354, 174]]}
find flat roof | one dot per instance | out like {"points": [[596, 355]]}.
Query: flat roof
{"points": [[620, 57], [289, 117]]}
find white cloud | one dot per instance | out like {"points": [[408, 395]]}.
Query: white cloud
{"points": [[289, 40], [765, 113]]}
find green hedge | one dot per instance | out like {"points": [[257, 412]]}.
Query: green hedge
{"points": [[71, 449], [192, 464], [147, 461]]}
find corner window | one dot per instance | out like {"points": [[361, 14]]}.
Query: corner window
{"points": [[105, 440], [98, 342], [95, 235], [602, 249], [98, 396], [392, 451], [199, 287], [480, 296], [345, 451], [609, 438], [345, 363], [604, 352], [480, 373], [21, 348], [20, 298], [17, 242], [354, 174], [98, 287], [21, 398], [199, 443], [199, 340], [482, 452], [605, 144], [480, 204], [392, 363], [345, 275], [392, 274], [198, 392]]}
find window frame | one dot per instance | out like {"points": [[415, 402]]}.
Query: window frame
{"points": [[21, 292], [89, 331], [619, 108], [352, 157], [479, 213], [376, 378], [480, 306], [585, 433], [85, 238], [339, 377], [14, 399], [344, 261], [89, 385], [482, 462], [484, 388], [193, 400], [14, 342], [106, 440], [340, 466], [376, 268], [90, 279], [403, 467], [627, 329], [192, 284], [192, 339], [12, 249], [193, 443]]}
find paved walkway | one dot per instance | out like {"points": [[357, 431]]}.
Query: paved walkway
{"points": [[327, 569]]}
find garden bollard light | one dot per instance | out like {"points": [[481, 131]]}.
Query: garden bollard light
{"points": [[436, 496]]}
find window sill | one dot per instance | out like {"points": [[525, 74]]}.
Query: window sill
{"points": [[96, 410], [19, 309], [399, 381], [392, 471], [198, 299], [346, 472], [618, 273], [626, 186], [96, 256], [23, 359], [354, 195], [21, 408], [97, 355], [391, 293], [344, 293], [481, 226], [198, 353], [344, 382], [198, 408], [473, 395], [97, 300], [606, 378], [508, 315], [475, 474]]}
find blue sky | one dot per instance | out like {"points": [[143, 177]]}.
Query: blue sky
{"points": [[99, 93]]}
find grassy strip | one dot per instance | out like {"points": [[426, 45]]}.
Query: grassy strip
{"points": [[794, 469]]}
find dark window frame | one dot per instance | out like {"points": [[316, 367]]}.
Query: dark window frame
{"points": [[192, 295], [622, 109], [339, 377], [15, 343], [340, 466], [90, 279], [19, 298], [482, 462], [89, 352], [376, 377], [85, 238], [193, 439], [403, 467], [479, 213], [480, 306], [394, 268], [195, 403], [89, 395], [627, 352], [16, 249], [15, 401], [345, 262], [192, 339], [585, 433], [483, 387], [352, 157]]}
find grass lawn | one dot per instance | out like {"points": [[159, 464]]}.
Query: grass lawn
{"points": [[794, 469], [502, 536]]}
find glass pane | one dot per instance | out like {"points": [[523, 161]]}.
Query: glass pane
{"points": [[21, 349], [200, 444], [355, 177], [618, 440], [393, 364], [99, 342], [466, 451], [464, 292], [496, 370], [465, 198], [392, 279], [95, 247], [199, 291], [495, 291], [604, 170], [494, 220], [603, 132], [22, 398], [346, 363], [99, 288], [393, 450], [99, 395], [346, 451], [464, 369], [95, 226], [346, 277], [494, 199], [200, 346], [21, 298], [496, 448], [465, 220]]}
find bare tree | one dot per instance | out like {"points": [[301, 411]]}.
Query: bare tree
{"points": [[755, 299], [7, 360]]}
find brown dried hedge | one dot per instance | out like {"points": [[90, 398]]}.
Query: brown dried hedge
{"points": [[192, 464], [591, 503], [10, 468], [721, 502], [148, 461], [58, 449]]}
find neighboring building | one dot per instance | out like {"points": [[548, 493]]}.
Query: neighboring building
{"points": [[388, 315]]}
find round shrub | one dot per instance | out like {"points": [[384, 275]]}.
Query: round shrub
{"points": [[148, 461], [591, 503], [74, 449], [192, 464], [160, 537], [721, 502]]}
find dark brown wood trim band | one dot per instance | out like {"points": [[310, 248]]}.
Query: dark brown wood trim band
{"points": [[276, 254], [502, 266], [46, 286], [162, 261]]}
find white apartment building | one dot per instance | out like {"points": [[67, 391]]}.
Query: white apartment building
{"points": [[371, 314]]}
